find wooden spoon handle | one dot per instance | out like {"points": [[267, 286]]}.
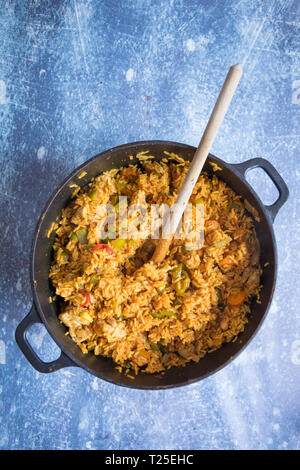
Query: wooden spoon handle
{"points": [[215, 120]]}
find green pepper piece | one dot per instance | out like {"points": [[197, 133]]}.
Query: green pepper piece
{"points": [[94, 279], [120, 185], [65, 255], [73, 237], [220, 244], [93, 195], [118, 243], [154, 346], [114, 199], [157, 315], [177, 271], [183, 283], [81, 234], [62, 255], [176, 303], [161, 290], [200, 200], [120, 318], [164, 313]]}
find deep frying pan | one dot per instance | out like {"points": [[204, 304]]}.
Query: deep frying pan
{"points": [[43, 311]]}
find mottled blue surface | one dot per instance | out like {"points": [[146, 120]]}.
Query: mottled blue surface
{"points": [[83, 76]]}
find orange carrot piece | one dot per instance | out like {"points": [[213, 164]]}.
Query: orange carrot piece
{"points": [[237, 299], [226, 261], [211, 226]]}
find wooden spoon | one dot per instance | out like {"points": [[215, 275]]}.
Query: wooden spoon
{"points": [[215, 120]]}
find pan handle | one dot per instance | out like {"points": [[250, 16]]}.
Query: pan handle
{"points": [[265, 165], [29, 353]]}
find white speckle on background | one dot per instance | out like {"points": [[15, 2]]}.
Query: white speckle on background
{"points": [[67, 373], [95, 385], [2, 352], [38, 337], [19, 285], [274, 307], [84, 420], [4, 439], [190, 45], [3, 98], [233, 412], [276, 427], [276, 412], [295, 357], [41, 153], [42, 72], [129, 75]]}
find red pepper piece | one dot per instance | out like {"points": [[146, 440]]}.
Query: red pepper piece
{"points": [[103, 246], [87, 298]]}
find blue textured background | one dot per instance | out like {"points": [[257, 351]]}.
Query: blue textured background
{"points": [[83, 76]]}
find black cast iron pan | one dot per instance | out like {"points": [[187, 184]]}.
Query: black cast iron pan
{"points": [[44, 312]]}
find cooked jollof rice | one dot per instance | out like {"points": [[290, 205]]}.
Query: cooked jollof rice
{"points": [[117, 303]]}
